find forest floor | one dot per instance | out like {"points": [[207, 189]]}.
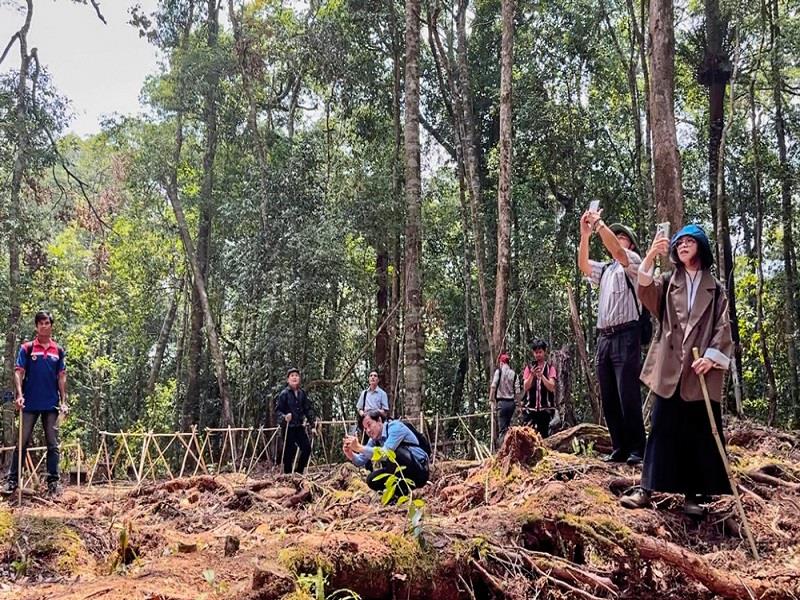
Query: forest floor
{"points": [[534, 521]]}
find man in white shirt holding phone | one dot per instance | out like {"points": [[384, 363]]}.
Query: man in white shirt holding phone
{"points": [[619, 350]]}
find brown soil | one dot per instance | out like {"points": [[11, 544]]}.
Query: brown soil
{"points": [[535, 521]]}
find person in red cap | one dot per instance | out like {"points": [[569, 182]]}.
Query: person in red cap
{"points": [[503, 395]]}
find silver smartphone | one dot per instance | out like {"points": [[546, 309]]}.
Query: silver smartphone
{"points": [[663, 228], [594, 205]]}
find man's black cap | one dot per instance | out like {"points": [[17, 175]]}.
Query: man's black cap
{"points": [[291, 370]]}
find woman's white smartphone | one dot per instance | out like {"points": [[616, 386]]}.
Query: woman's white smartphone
{"points": [[663, 228], [594, 205]]}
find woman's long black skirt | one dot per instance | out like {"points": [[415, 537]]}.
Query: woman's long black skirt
{"points": [[681, 455]]}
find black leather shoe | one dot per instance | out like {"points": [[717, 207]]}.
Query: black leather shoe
{"points": [[638, 498], [634, 459], [691, 508], [618, 456], [53, 489], [10, 487]]}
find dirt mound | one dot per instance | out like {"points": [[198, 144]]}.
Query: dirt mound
{"points": [[539, 519]]}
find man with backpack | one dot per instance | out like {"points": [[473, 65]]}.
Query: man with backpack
{"points": [[40, 378], [622, 326], [503, 395], [411, 449]]}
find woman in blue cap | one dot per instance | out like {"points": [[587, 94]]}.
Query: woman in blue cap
{"points": [[691, 305]]}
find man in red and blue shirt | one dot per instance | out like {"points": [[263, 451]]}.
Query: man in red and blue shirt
{"points": [[40, 378]]}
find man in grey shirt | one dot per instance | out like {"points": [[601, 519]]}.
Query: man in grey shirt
{"points": [[619, 348], [373, 398], [503, 394]]}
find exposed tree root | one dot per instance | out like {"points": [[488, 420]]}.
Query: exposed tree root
{"points": [[530, 522]]}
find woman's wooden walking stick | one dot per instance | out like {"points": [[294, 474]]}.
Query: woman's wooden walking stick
{"points": [[724, 457]]}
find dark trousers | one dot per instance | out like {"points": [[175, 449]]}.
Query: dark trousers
{"points": [[539, 420], [414, 471], [618, 365], [505, 412], [296, 438], [682, 455], [49, 421]]}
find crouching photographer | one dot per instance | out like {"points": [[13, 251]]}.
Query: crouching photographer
{"points": [[411, 451]]}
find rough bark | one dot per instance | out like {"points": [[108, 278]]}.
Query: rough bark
{"points": [[666, 159], [504, 184], [13, 229], [414, 363]]}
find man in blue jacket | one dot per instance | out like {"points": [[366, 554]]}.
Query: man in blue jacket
{"points": [[390, 435], [40, 378]]}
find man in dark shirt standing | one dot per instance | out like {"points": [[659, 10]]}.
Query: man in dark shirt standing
{"points": [[294, 410], [40, 378]]}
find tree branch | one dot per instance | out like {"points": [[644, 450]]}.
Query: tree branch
{"points": [[8, 46], [100, 16], [438, 136]]}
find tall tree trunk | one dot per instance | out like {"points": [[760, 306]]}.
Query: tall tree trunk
{"points": [[667, 160], [771, 386], [468, 339], [472, 163], [382, 363], [161, 343], [715, 73], [790, 274], [193, 392], [398, 292], [199, 281], [180, 352], [504, 184], [329, 364], [414, 364], [646, 166], [390, 377], [14, 232], [446, 68], [630, 63]]}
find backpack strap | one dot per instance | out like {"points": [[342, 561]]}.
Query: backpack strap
{"points": [[627, 282], [404, 442], [362, 401], [633, 293]]}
